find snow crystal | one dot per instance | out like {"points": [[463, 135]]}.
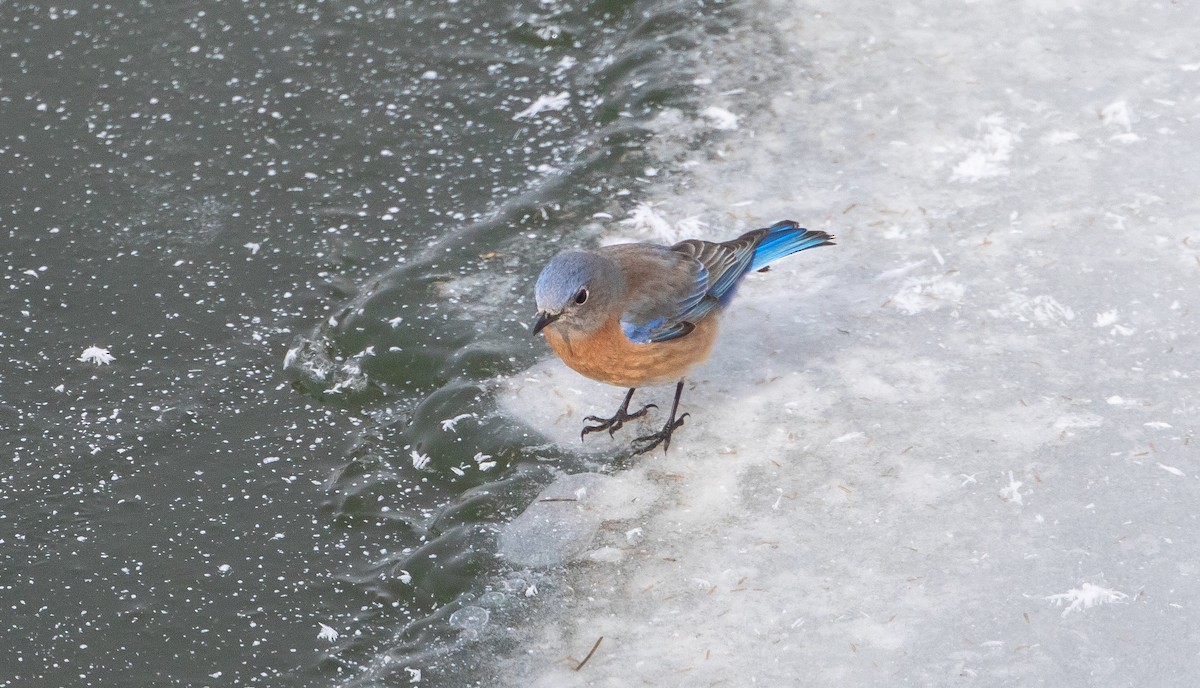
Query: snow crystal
{"points": [[483, 461], [419, 460], [96, 355], [1085, 596], [927, 294], [720, 118], [1012, 491], [1055, 138], [1117, 115], [328, 634], [646, 220], [989, 155], [547, 103], [449, 424], [1042, 309]]}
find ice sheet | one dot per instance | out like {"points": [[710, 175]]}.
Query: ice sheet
{"points": [[913, 454]]}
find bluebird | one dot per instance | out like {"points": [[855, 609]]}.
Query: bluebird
{"points": [[643, 314]]}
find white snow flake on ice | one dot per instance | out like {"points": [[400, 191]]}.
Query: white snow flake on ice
{"points": [[564, 64], [1042, 309], [1111, 318], [97, 355], [483, 462], [1055, 138], [720, 118], [1117, 400], [1117, 115], [414, 675], [1012, 491], [1170, 469], [1127, 137], [990, 153], [1083, 419], [419, 460], [328, 633], [1085, 596], [646, 220], [927, 294], [449, 424], [547, 103]]}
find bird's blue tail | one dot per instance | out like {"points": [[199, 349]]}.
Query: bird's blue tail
{"points": [[785, 238]]}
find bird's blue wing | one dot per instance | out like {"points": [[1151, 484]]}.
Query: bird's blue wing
{"points": [[729, 261], [669, 290], [725, 263]]}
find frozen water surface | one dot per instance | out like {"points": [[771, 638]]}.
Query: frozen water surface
{"points": [[294, 245], [958, 448]]}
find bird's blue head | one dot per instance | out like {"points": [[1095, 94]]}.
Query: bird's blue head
{"points": [[576, 292]]}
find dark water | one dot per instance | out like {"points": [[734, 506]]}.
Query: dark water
{"points": [[210, 190]]}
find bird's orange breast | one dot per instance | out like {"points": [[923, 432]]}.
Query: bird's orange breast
{"points": [[607, 354]]}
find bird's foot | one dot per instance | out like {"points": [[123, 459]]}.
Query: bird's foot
{"points": [[615, 423], [662, 437]]}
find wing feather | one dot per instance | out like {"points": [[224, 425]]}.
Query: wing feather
{"points": [[669, 290]]}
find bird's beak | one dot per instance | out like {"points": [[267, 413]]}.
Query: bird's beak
{"points": [[544, 318]]}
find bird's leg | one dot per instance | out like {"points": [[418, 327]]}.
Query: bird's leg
{"points": [[614, 424], [663, 436]]}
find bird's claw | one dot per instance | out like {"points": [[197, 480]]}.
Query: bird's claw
{"points": [[662, 437], [612, 424]]}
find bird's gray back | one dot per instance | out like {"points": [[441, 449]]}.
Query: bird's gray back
{"points": [[662, 283]]}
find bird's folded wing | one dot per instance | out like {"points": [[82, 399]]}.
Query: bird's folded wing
{"points": [[666, 292], [726, 262]]}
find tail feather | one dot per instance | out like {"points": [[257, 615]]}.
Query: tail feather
{"points": [[785, 238]]}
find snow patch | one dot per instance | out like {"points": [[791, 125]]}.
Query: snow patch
{"points": [[990, 154], [927, 294], [720, 118], [1084, 597]]}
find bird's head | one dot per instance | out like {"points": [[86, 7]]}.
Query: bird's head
{"points": [[576, 292]]}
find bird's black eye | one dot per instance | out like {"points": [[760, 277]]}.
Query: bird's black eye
{"points": [[581, 297]]}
